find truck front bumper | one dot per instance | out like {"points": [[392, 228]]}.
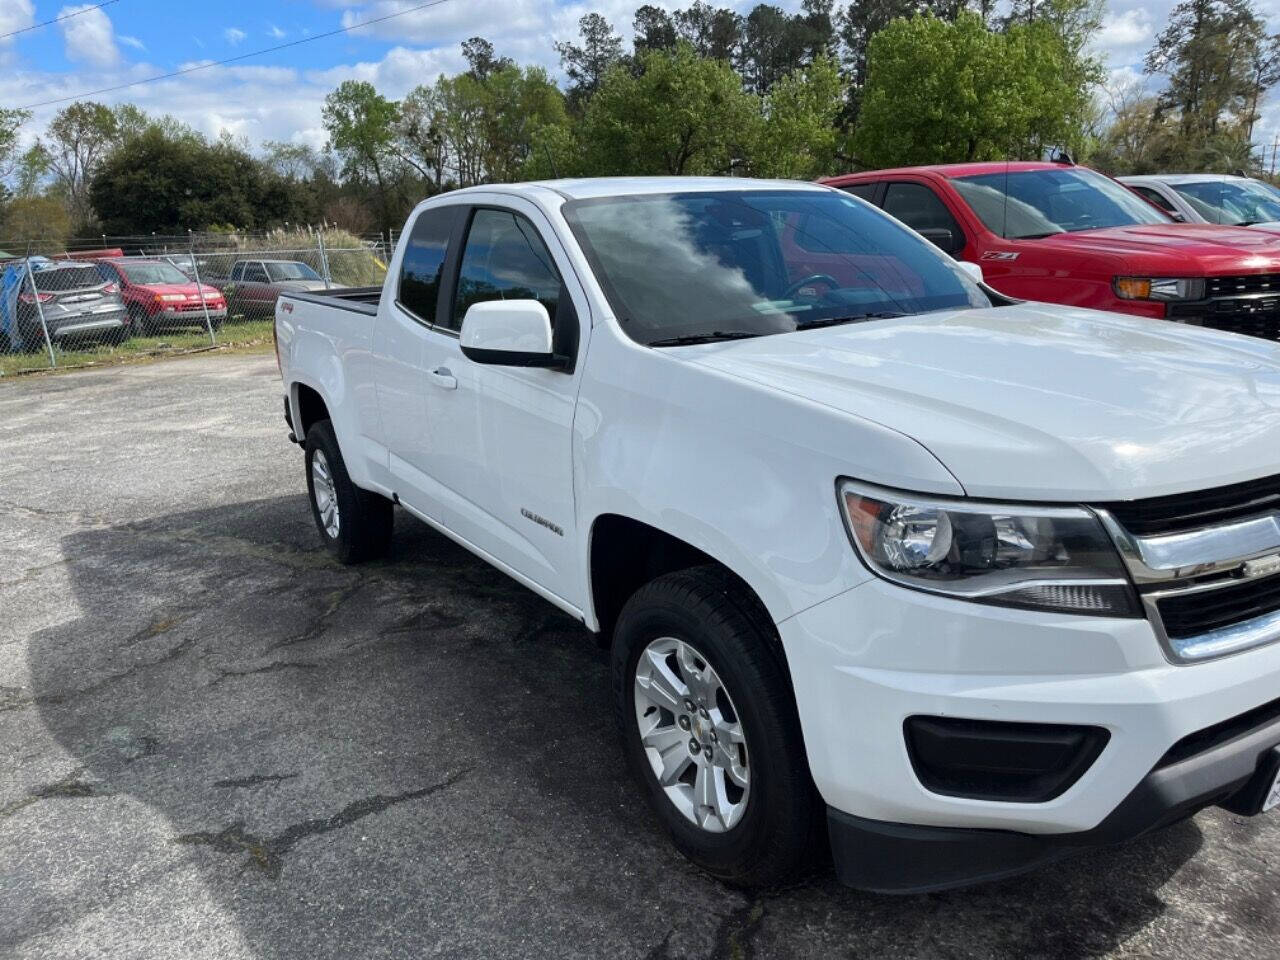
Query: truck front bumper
{"points": [[1176, 738]]}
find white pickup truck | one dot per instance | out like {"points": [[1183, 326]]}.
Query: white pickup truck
{"points": [[954, 583]]}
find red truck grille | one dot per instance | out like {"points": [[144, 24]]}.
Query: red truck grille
{"points": [[1240, 286]]}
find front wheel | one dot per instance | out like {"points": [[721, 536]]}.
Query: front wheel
{"points": [[354, 524], [710, 728]]}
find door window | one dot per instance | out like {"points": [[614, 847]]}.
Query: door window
{"points": [[920, 209], [254, 273], [504, 259], [423, 264], [863, 191], [1155, 197]]}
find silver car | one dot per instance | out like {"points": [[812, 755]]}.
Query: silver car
{"points": [[74, 300], [1211, 198]]}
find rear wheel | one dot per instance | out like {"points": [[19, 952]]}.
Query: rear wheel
{"points": [[710, 728], [354, 524]]}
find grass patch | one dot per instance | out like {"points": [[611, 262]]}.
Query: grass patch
{"points": [[239, 337]]}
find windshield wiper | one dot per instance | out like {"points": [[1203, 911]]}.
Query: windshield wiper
{"points": [[1036, 236], [853, 318], [714, 337]]}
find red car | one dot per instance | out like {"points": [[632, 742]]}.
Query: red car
{"points": [[159, 295], [1066, 234]]}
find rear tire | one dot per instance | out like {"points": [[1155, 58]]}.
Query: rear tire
{"points": [[727, 634], [354, 524]]}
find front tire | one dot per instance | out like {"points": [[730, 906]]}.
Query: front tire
{"points": [[354, 524], [709, 726]]}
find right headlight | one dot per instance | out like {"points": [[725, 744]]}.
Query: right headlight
{"points": [[1043, 558]]}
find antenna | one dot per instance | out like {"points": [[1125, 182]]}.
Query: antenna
{"points": [[551, 160]]}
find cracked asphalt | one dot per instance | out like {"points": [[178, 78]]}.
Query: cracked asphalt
{"points": [[214, 742]]}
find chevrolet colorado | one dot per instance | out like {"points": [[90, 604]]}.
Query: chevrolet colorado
{"points": [[1066, 234], [954, 584]]}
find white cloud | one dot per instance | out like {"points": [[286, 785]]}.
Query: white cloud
{"points": [[89, 36], [275, 32], [233, 35], [16, 15], [131, 42], [1127, 29]]}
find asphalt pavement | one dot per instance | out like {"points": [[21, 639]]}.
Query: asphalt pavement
{"points": [[215, 742]]}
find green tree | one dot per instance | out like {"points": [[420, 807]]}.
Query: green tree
{"points": [[799, 137], [939, 92], [680, 114], [586, 64], [156, 182], [78, 139], [11, 122], [653, 29], [361, 126], [712, 32]]}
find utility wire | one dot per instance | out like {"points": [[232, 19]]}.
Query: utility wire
{"points": [[65, 16], [243, 56]]}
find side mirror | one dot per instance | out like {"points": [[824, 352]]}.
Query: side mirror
{"points": [[509, 333], [972, 269], [942, 238]]}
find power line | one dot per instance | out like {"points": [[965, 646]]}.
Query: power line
{"points": [[243, 56], [65, 16]]}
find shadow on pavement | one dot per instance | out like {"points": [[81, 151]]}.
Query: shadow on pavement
{"points": [[413, 757]]}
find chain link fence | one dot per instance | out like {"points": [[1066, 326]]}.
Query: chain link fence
{"points": [[94, 304]]}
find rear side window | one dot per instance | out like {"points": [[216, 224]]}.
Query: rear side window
{"points": [[423, 264], [863, 191], [1157, 198], [505, 259]]}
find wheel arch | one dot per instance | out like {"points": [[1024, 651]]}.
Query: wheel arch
{"points": [[625, 553], [309, 407]]}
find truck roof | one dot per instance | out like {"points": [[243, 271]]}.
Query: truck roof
{"points": [[953, 170], [591, 187]]}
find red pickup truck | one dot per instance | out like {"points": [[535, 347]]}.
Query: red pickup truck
{"points": [[1066, 234]]}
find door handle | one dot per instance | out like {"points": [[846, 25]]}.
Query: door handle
{"points": [[444, 379]]}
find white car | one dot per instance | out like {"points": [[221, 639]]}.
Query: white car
{"points": [[960, 583], [1211, 198]]}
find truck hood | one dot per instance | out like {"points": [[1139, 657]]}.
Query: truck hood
{"points": [[1176, 249], [1040, 402], [312, 285]]}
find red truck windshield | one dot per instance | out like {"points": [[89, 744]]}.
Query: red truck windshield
{"points": [[1029, 204]]}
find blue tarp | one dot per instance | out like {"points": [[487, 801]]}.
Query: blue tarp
{"points": [[10, 285]]}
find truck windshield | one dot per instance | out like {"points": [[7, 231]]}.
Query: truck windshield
{"points": [[729, 264], [1029, 204], [1235, 202], [290, 270]]}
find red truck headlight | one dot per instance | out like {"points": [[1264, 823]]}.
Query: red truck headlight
{"points": [[1159, 288]]}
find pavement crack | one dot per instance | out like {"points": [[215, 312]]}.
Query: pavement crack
{"points": [[276, 666], [736, 932], [333, 602], [254, 780], [69, 787], [266, 854], [56, 697]]}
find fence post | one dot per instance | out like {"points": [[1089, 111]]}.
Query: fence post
{"points": [[35, 295], [204, 301], [324, 263]]}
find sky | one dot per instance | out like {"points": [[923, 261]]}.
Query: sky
{"points": [[278, 96]]}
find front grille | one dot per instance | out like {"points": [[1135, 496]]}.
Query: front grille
{"points": [[1235, 286], [1187, 511], [1192, 614]]}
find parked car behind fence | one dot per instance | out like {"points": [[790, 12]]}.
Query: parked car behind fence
{"points": [[70, 300]]}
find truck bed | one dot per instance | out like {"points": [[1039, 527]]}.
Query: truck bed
{"points": [[354, 299]]}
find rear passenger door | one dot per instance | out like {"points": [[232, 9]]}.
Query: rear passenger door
{"points": [[499, 443]]}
